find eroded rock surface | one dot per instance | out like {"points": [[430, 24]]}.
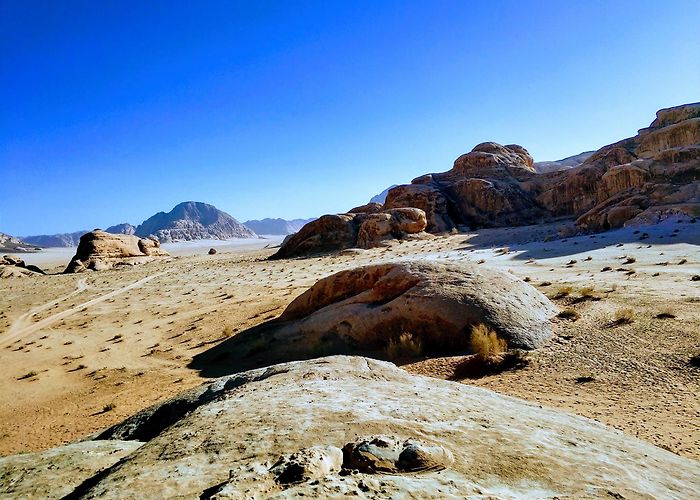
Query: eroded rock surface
{"points": [[99, 250], [653, 173], [365, 227], [364, 310], [14, 267], [279, 431]]}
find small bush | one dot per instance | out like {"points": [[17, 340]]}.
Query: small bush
{"points": [[587, 292], [570, 314], [405, 346], [27, 375], [545, 283], [665, 315], [486, 343], [502, 251], [108, 407], [624, 316], [606, 268], [682, 261], [564, 291]]}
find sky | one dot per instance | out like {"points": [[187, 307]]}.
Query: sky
{"points": [[112, 111]]}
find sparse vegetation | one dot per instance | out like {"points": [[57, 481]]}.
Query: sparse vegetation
{"points": [[682, 261], [405, 346], [491, 355], [665, 315], [630, 260], [545, 283], [28, 375], [570, 314], [587, 292], [564, 291], [108, 407], [624, 316], [502, 251]]}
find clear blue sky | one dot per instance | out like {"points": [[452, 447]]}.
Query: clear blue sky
{"points": [[113, 110]]}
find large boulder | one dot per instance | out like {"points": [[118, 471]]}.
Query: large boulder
{"points": [[356, 229], [14, 267], [349, 426], [99, 250], [366, 309]]}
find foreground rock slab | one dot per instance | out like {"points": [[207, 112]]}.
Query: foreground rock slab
{"points": [[342, 426], [99, 250]]}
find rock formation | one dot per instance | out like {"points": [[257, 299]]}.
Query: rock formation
{"points": [[99, 250], [193, 220], [13, 267], [363, 310], [123, 228], [363, 229], [642, 178], [544, 167], [350, 426], [11, 244], [277, 226]]}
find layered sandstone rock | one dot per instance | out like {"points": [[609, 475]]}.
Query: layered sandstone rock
{"points": [[364, 229], [99, 250], [349, 426]]}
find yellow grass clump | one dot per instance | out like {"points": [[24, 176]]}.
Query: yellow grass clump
{"points": [[486, 343]]}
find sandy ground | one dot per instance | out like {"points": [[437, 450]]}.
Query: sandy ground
{"points": [[81, 352]]}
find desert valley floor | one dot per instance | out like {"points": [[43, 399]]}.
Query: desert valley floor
{"points": [[81, 352]]}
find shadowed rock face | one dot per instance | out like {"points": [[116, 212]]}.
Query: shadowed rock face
{"points": [[342, 426], [99, 250], [652, 175], [364, 227]]}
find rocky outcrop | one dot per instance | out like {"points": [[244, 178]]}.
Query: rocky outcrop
{"points": [[350, 426], [99, 250], [366, 310], [193, 220], [11, 244], [13, 267], [277, 226], [363, 229]]}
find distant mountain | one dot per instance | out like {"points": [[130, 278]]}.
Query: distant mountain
{"points": [[381, 197], [193, 220], [543, 167], [72, 239], [123, 228], [55, 240], [277, 226], [11, 244]]}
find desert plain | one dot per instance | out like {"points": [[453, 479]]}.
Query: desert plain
{"points": [[81, 352]]}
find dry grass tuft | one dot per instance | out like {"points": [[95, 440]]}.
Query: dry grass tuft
{"points": [[570, 314], [490, 355], [486, 343], [629, 260], [624, 316], [406, 345], [502, 251], [564, 291]]}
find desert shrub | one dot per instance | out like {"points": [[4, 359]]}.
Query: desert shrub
{"points": [[606, 268], [629, 260], [502, 251], [527, 279], [624, 316], [570, 314], [682, 261], [27, 375], [405, 346], [545, 283], [108, 407], [665, 314], [486, 343], [563, 292], [587, 292]]}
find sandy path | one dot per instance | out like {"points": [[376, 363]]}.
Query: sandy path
{"points": [[18, 328]]}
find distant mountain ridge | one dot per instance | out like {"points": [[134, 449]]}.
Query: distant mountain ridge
{"points": [[12, 244], [192, 220], [381, 197], [72, 239], [277, 226]]}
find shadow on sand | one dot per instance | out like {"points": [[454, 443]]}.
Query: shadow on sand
{"points": [[544, 242]]}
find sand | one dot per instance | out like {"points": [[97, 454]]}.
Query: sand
{"points": [[81, 352]]}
